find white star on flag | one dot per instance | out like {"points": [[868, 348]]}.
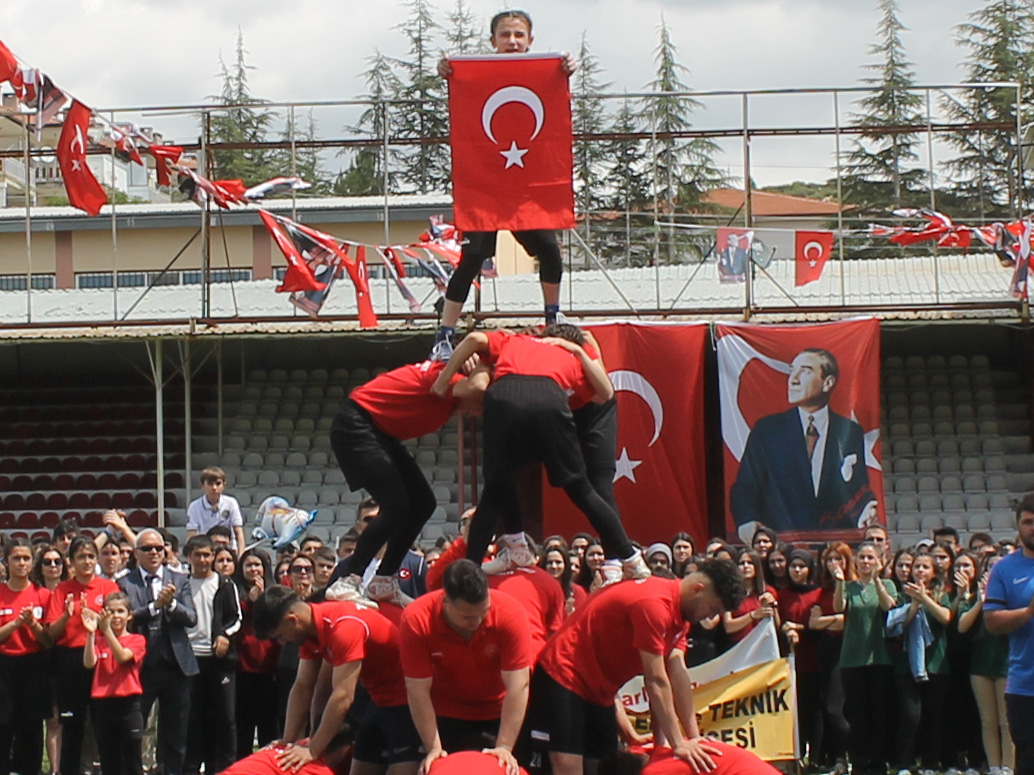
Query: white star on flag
{"points": [[624, 467], [514, 156]]}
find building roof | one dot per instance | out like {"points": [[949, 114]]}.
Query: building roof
{"points": [[767, 204]]}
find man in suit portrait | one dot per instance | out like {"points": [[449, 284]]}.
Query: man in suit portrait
{"points": [[732, 259], [163, 609], [804, 469]]}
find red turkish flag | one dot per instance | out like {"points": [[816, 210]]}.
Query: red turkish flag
{"points": [[83, 189], [298, 276], [163, 156], [813, 251], [769, 475], [510, 119], [8, 63], [657, 371]]}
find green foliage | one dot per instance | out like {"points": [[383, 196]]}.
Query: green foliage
{"points": [[307, 162], [589, 117], [464, 34], [882, 171], [999, 38], [243, 121]]}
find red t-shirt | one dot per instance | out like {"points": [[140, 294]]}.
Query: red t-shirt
{"points": [[74, 636], [467, 681], [469, 763], [346, 632], [541, 597], [22, 641], [597, 650], [750, 603], [537, 591], [255, 655], [795, 606], [401, 403], [733, 761], [264, 762], [519, 354], [112, 678]]}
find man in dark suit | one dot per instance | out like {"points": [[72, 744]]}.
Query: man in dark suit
{"points": [[732, 259], [804, 469], [162, 611]]}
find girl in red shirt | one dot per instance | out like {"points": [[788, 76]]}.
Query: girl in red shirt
{"points": [[760, 602], [23, 672], [65, 628], [115, 656]]}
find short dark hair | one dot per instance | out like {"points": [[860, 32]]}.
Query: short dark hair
{"points": [[325, 553], [726, 580], [980, 536], [220, 530], [212, 474], [77, 545], [311, 539], [270, 609], [946, 531], [170, 538], [349, 535], [65, 527], [511, 14], [464, 580], [198, 542], [364, 504], [830, 367], [1026, 503], [567, 331]]}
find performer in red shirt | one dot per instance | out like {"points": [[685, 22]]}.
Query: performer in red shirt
{"points": [[728, 760], [536, 382], [627, 629], [466, 655], [24, 686], [335, 761], [65, 627], [468, 763], [367, 436], [360, 645], [538, 593], [115, 656]]}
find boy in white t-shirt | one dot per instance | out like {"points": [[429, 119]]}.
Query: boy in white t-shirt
{"points": [[216, 508]]}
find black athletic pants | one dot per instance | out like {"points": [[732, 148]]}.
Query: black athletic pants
{"points": [[867, 694], [25, 683], [1020, 710], [479, 245], [211, 730], [372, 460], [167, 684], [73, 703], [119, 728], [256, 711]]}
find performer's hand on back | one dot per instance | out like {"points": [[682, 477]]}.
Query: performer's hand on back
{"points": [[698, 753]]}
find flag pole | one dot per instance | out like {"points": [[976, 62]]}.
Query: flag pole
{"points": [[28, 227], [114, 231]]}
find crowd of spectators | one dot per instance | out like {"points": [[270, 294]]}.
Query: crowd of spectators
{"points": [[895, 666]]}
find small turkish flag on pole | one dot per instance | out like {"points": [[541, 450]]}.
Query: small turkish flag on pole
{"points": [[83, 189], [510, 118], [813, 251]]}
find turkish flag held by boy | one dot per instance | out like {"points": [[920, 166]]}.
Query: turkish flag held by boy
{"points": [[83, 189], [813, 249], [510, 118]]}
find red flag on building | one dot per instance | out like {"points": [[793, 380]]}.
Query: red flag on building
{"points": [[8, 63], [298, 277], [51, 100], [510, 119], [163, 156], [659, 482], [812, 252], [83, 189]]}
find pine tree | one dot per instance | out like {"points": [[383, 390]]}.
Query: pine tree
{"points": [[628, 188], [307, 163], [464, 34], [882, 170], [426, 169], [365, 174], [685, 169], [241, 122], [589, 117], [1000, 40]]}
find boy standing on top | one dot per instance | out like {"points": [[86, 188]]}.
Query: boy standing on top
{"points": [[216, 508], [510, 34]]}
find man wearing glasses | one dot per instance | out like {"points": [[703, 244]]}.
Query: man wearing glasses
{"points": [[162, 611]]}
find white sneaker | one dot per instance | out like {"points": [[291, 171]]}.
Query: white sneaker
{"points": [[386, 589], [350, 590], [904, 772], [971, 771], [498, 564], [636, 567], [612, 573], [992, 771]]}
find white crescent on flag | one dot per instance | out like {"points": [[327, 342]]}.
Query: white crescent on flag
{"points": [[734, 354]]}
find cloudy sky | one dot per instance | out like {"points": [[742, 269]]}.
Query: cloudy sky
{"points": [[121, 53]]}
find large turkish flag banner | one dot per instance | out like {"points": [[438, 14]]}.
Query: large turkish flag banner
{"points": [[775, 382], [658, 376], [510, 120]]}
